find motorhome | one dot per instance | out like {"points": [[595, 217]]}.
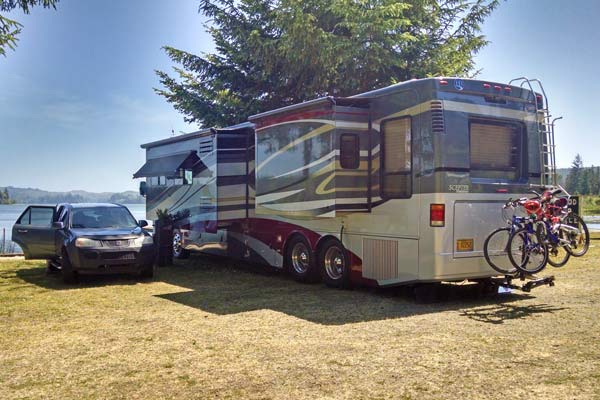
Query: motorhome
{"points": [[394, 186]]}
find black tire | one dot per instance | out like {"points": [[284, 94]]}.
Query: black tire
{"points": [[532, 260], [69, 275], [148, 271], [581, 241], [300, 262], [334, 264], [178, 251], [495, 251], [558, 255]]}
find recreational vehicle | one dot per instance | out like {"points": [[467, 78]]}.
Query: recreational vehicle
{"points": [[394, 186]]}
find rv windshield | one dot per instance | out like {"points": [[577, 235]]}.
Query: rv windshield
{"points": [[102, 218]]}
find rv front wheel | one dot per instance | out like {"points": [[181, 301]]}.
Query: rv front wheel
{"points": [[300, 262], [334, 264]]}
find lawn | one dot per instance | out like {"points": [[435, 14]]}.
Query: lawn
{"points": [[208, 330]]}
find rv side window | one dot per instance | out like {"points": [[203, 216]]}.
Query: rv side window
{"points": [[396, 179], [495, 149], [154, 181], [349, 151], [162, 180]]}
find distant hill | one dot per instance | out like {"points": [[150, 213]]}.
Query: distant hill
{"points": [[30, 195]]}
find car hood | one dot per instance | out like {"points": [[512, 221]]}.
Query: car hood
{"points": [[107, 234]]}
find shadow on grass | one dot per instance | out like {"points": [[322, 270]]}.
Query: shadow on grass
{"points": [[38, 276], [497, 314], [224, 287], [218, 287]]}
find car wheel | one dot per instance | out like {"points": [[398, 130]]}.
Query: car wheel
{"points": [[68, 274], [299, 261], [333, 261], [178, 251], [148, 271]]}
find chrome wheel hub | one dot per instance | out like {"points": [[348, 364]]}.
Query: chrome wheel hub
{"points": [[177, 243], [334, 263], [300, 258]]}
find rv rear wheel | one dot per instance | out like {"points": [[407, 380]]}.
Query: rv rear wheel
{"points": [[178, 250], [334, 264], [299, 261]]}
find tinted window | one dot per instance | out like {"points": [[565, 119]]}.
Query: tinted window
{"points": [[349, 151], [24, 220], [41, 216], [495, 149], [102, 218], [396, 158]]}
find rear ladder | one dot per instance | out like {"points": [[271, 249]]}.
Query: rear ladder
{"points": [[545, 127]]}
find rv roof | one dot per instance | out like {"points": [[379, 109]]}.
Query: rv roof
{"points": [[342, 101], [193, 135]]}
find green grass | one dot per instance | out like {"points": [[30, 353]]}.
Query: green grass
{"points": [[590, 205], [207, 330]]}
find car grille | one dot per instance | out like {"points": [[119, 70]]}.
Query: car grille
{"points": [[118, 256], [117, 243]]}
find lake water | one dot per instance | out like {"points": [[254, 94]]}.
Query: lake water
{"points": [[10, 213]]}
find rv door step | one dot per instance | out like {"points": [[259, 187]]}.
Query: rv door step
{"points": [[532, 282]]}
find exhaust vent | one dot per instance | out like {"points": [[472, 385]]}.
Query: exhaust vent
{"points": [[380, 259], [206, 147], [437, 116]]}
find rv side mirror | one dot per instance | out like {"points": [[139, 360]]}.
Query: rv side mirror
{"points": [[143, 188], [58, 225], [142, 223]]}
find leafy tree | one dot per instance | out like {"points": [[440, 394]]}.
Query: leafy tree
{"points": [[574, 177], [272, 53], [10, 29]]}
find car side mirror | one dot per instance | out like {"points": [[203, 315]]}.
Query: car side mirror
{"points": [[143, 188], [58, 225], [142, 223]]}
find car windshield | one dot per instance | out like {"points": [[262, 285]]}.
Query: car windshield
{"points": [[102, 218]]}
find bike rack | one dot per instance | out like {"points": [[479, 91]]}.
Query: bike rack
{"points": [[533, 281]]}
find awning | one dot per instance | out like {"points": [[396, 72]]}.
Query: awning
{"points": [[168, 165]]}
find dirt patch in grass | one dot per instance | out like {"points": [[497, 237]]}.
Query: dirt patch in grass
{"points": [[214, 329]]}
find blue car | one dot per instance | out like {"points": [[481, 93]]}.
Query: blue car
{"points": [[86, 239]]}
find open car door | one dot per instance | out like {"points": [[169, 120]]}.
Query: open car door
{"points": [[33, 232]]}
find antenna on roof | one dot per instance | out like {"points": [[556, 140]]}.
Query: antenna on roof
{"points": [[172, 131]]}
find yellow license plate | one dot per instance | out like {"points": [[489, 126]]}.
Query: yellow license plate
{"points": [[464, 245]]}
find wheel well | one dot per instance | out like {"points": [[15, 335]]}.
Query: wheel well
{"points": [[322, 242], [288, 240]]}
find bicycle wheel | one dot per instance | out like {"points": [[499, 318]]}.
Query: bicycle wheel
{"points": [[580, 242], [558, 255], [495, 251], [527, 251]]}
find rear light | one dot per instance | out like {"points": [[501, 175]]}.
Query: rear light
{"points": [[498, 87], [486, 85], [437, 214], [501, 190], [443, 83], [508, 89]]}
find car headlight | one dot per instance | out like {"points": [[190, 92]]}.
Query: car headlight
{"points": [[85, 242], [143, 240]]}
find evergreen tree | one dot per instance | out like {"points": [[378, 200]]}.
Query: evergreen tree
{"points": [[10, 29], [272, 53], [574, 177]]}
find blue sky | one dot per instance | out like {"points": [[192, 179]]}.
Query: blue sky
{"points": [[76, 98]]}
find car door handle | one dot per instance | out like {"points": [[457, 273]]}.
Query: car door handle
{"points": [[22, 230]]}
